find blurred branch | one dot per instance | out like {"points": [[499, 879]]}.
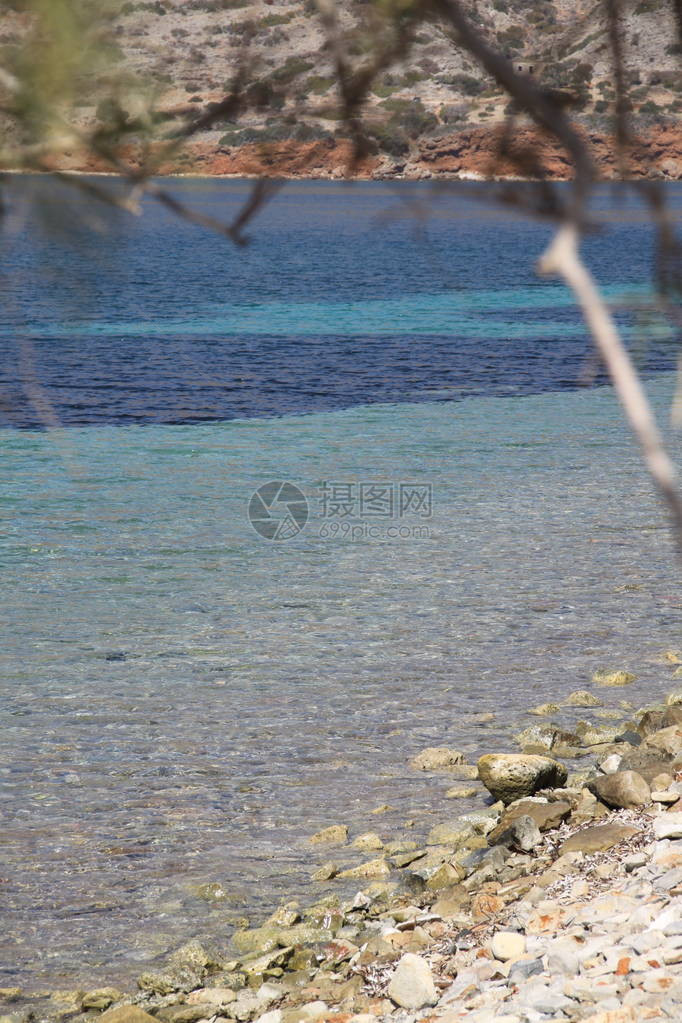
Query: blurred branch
{"points": [[562, 259]]}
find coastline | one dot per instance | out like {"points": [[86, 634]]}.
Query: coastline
{"points": [[561, 898], [471, 154]]}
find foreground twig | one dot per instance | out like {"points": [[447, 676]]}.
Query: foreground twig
{"points": [[563, 260]]}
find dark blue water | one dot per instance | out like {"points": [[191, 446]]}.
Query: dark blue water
{"points": [[343, 298]]}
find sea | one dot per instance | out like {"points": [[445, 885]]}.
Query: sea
{"points": [[275, 517]]}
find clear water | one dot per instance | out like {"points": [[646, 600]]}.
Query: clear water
{"points": [[183, 701]]}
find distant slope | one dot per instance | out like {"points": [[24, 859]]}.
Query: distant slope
{"points": [[189, 51]]}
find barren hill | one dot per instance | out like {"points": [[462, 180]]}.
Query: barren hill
{"points": [[427, 114]]}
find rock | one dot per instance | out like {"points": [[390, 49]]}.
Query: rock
{"points": [[543, 737], [613, 678], [582, 698], [447, 875], [667, 740], [211, 996], [545, 708], [459, 832], [285, 916], [100, 998], [436, 757], [674, 698], [368, 842], [662, 781], [611, 764], [159, 983], [308, 1013], [523, 969], [464, 772], [622, 790], [273, 1016], [184, 1013], [126, 1014], [598, 838], [461, 792], [507, 945], [266, 939], [634, 861], [326, 872], [522, 833], [649, 763], [664, 796], [373, 870], [412, 985], [545, 815], [672, 715], [337, 834], [597, 735], [668, 825], [509, 776]]}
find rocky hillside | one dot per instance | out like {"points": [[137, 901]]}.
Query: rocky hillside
{"points": [[187, 52]]}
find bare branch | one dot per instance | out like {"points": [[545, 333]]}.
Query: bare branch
{"points": [[562, 259]]}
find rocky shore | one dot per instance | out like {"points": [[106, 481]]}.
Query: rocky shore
{"points": [[470, 153], [559, 899]]}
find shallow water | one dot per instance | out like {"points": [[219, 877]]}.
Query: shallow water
{"points": [[185, 702]]}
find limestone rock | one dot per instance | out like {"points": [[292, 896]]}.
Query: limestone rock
{"points": [[597, 735], [337, 834], [667, 740], [544, 815], [604, 677], [523, 833], [597, 838], [544, 709], [126, 1014], [622, 790], [543, 737], [463, 772], [326, 872], [509, 776], [507, 945], [674, 698], [211, 996], [100, 998], [181, 1013], [461, 792], [669, 825], [368, 842], [436, 757], [582, 698], [373, 870], [412, 985], [611, 764]]}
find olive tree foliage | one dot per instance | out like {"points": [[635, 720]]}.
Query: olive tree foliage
{"points": [[67, 46]]}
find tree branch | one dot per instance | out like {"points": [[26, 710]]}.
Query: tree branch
{"points": [[562, 259]]}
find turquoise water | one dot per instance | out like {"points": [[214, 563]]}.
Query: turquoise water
{"points": [[184, 701]]}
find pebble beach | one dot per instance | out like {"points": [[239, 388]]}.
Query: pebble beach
{"points": [[560, 898]]}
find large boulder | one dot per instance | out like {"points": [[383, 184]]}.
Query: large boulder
{"points": [[622, 790], [510, 776]]}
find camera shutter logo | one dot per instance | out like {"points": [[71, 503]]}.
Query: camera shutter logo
{"points": [[278, 510]]}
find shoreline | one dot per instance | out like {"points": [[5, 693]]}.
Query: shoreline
{"points": [[470, 153], [497, 902]]}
